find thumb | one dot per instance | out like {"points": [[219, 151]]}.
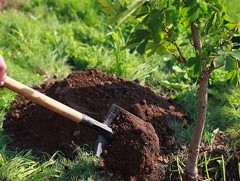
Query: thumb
{"points": [[1, 84]]}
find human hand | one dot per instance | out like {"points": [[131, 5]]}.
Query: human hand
{"points": [[3, 69]]}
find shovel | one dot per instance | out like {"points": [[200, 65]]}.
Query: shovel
{"points": [[105, 133], [57, 107]]}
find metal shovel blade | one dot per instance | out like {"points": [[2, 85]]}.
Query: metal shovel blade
{"points": [[102, 141]]}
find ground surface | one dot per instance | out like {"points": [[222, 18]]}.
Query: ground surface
{"points": [[144, 144]]}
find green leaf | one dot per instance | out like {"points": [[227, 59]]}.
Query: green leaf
{"points": [[105, 3], [141, 34], [219, 60], [230, 26], [228, 19], [151, 48], [156, 35], [203, 7], [166, 84], [235, 54], [191, 61], [154, 24], [184, 17], [169, 23], [170, 47], [141, 17], [178, 69], [209, 23], [169, 18], [217, 7], [161, 49], [230, 64], [197, 67], [184, 44], [141, 48], [156, 18], [234, 77], [131, 44], [162, 4], [229, 75], [132, 7], [219, 20], [107, 7], [170, 85], [193, 13], [108, 10]]}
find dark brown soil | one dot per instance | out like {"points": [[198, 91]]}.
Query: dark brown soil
{"points": [[138, 146]]}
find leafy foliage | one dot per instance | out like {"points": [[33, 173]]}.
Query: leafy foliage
{"points": [[163, 27]]}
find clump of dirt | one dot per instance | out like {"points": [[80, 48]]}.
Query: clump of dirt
{"points": [[135, 147], [134, 152]]}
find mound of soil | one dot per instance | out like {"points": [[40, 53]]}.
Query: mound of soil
{"points": [[134, 149], [138, 145]]}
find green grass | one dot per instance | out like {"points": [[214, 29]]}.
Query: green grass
{"points": [[24, 166], [46, 39]]}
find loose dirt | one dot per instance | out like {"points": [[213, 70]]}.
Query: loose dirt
{"points": [[139, 144]]}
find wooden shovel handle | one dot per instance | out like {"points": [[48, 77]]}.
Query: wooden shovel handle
{"points": [[56, 106], [43, 100]]}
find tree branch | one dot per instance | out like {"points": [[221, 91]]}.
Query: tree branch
{"points": [[196, 37], [183, 59], [212, 67]]}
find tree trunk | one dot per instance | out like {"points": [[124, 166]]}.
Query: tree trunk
{"points": [[193, 152], [191, 166]]}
